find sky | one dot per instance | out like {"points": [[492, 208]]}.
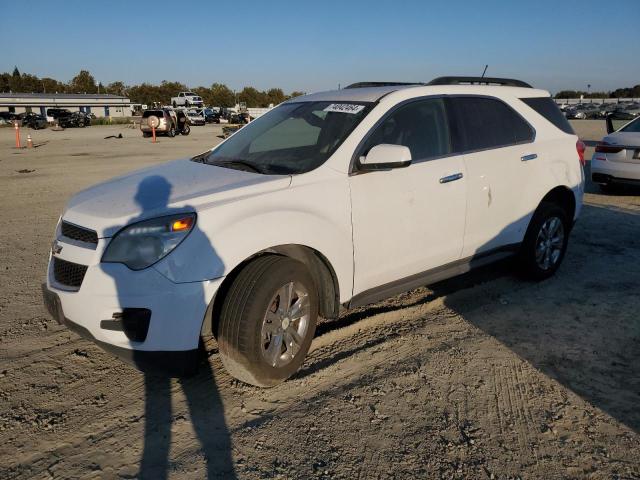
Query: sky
{"points": [[312, 46]]}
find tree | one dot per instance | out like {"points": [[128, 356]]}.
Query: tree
{"points": [[83, 83], [252, 97], [275, 96], [222, 96], [16, 80], [50, 85], [296, 94], [5, 82], [116, 88]]}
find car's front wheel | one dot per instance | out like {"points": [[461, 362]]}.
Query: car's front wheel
{"points": [[268, 320], [545, 242]]}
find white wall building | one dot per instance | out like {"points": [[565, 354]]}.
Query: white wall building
{"points": [[99, 105]]}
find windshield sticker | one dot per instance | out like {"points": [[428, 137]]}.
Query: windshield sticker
{"points": [[344, 108]]}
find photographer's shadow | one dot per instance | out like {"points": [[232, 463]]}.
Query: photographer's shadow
{"points": [[203, 399]]}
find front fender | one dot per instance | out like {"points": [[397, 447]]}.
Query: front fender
{"points": [[313, 213]]}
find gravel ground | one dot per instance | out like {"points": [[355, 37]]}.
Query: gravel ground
{"points": [[483, 376]]}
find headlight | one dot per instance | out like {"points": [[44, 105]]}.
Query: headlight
{"points": [[142, 244]]}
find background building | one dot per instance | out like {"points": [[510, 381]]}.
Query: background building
{"points": [[99, 105]]}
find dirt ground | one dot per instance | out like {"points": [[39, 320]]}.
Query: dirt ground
{"points": [[484, 376]]}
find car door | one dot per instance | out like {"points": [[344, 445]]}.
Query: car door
{"points": [[408, 220], [499, 156]]}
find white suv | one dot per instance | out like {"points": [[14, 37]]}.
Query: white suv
{"points": [[333, 199]]}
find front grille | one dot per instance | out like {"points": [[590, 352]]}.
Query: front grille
{"points": [[75, 232], [68, 273]]}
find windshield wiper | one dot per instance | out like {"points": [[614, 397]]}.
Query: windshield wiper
{"points": [[246, 166]]}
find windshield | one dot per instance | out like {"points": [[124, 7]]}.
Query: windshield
{"points": [[292, 138]]}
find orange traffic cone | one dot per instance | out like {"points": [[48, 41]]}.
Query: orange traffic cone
{"points": [[29, 141]]}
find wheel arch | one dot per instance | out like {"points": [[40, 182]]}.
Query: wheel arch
{"points": [[318, 265], [564, 197]]}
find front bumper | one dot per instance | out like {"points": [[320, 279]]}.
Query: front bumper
{"points": [[179, 363], [98, 311]]}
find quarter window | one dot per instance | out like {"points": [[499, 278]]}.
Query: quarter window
{"points": [[489, 123], [421, 126]]}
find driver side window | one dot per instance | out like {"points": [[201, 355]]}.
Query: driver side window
{"points": [[421, 126]]}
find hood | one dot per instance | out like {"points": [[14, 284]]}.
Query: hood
{"points": [[177, 186], [626, 139]]}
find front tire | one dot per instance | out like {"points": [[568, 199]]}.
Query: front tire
{"points": [[545, 242], [268, 320]]}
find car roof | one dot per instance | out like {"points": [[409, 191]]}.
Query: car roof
{"points": [[374, 94]]}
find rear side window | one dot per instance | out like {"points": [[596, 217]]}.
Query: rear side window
{"points": [[489, 123], [546, 107], [421, 126]]}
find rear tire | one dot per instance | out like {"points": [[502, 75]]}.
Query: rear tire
{"points": [[172, 132], [186, 130], [545, 242], [267, 321]]}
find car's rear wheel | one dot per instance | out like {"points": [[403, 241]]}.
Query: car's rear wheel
{"points": [[545, 242], [268, 320]]}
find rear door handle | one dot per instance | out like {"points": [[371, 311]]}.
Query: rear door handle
{"points": [[531, 156], [451, 178]]}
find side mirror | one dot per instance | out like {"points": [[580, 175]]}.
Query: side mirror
{"points": [[384, 157], [617, 120]]}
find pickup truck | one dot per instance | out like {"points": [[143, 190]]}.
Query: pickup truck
{"points": [[186, 99]]}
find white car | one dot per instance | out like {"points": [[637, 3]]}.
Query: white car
{"points": [[187, 99], [195, 117], [339, 198], [617, 158]]}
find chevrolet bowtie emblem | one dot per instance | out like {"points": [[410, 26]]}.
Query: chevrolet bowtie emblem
{"points": [[56, 248]]}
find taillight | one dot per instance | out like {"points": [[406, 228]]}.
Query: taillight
{"points": [[606, 148], [581, 147]]}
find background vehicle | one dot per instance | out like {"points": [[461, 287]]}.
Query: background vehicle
{"points": [[240, 118], [186, 99], [210, 115], [182, 126], [617, 157], [285, 221], [195, 117], [56, 113], [34, 121], [74, 119], [8, 116], [167, 122]]}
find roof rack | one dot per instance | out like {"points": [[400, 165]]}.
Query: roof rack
{"points": [[381, 84], [506, 82]]}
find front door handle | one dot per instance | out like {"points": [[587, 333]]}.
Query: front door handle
{"points": [[531, 156], [451, 178]]}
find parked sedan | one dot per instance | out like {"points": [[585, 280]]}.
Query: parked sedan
{"points": [[617, 158], [195, 117], [33, 120]]}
